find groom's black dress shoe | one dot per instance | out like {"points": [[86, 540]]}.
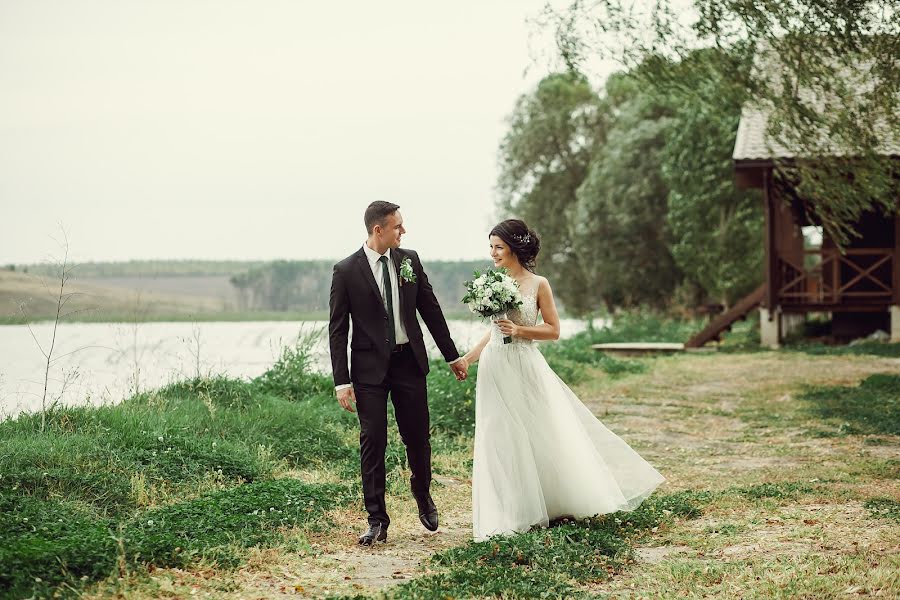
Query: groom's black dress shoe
{"points": [[375, 533], [428, 513]]}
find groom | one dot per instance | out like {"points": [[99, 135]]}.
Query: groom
{"points": [[378, 289]]}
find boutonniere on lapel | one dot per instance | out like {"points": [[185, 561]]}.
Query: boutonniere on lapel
{"points": [[406, 271]]}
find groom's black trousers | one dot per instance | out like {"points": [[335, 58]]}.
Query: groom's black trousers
{"points": [[405, 383]]}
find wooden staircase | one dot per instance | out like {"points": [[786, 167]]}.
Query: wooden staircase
{"points": [[723, 322]]}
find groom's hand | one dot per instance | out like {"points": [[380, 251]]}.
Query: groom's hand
{"points": [[346, 398], [461, 369]]}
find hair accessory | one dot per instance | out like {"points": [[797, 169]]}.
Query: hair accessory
{"points": [[522, 239]]}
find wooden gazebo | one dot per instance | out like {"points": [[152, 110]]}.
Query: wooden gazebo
{"points": [[859, 286]]}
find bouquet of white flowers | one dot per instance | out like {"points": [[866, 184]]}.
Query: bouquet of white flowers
{"points": [[492, 294]]}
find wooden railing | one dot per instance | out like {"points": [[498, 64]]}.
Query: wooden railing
{"points": [[829, 277]]}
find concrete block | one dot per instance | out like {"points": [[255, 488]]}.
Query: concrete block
{"points": [[769, 331], [895, 323]]}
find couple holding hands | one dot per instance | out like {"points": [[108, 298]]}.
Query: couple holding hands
{"points": [[539, 453]]}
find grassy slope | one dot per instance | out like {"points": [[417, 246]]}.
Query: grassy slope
{"points": [[93, 302]]}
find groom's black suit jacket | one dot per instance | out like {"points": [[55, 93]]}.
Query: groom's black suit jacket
{"points": [[355, 298]]}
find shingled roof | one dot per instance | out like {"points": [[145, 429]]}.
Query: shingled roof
{"points": [[753, 144]]}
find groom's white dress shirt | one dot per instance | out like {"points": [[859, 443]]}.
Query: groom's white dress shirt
{"points": [[377, 266], [377, 271]]}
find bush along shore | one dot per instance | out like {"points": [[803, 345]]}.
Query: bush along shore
{"points": [[203, 472]]}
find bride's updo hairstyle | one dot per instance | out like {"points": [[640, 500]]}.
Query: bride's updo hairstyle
{"points": [[523, 242]]}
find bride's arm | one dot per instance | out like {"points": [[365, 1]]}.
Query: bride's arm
{"points": [[549, 329], [472, 355]]}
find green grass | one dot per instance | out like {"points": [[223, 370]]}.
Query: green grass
{"points": [[193, 471], [862, 348], [173, 440], [191, 467], [645, 326], [786, 490], [872, 407], [451, 403], [546, 563], [573, 357], [215, 525], [533, 565], [198, 472], [47, 543], [884, 508]]}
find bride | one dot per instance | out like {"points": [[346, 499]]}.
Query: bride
{"points": [[540, 453]]}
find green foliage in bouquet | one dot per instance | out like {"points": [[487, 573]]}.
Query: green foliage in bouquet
{"points": [[492, 292]]}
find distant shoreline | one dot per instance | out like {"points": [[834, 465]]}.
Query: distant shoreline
{"points": [[188, 291], [211, 317]]}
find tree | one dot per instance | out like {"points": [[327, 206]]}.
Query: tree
{"points": [[623, 238], [649, 204], [826, 71], [717, 229], [544, 159]]}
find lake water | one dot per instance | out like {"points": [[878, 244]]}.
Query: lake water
{"points": [[98, 363]]}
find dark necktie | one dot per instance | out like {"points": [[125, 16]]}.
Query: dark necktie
{"points": [[389, 301]]}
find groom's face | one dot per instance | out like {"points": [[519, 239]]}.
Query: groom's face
{"points": [[390, 233]]}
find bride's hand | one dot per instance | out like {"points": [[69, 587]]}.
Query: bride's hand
{"points": [[507, 327]]}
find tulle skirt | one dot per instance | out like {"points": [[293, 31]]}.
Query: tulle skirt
{"points": [[540, 453]]}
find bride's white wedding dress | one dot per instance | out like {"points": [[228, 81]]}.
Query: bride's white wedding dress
{"points": [[539, 452]]}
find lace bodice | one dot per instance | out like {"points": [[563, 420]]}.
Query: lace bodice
{"points": [[525, 315]]}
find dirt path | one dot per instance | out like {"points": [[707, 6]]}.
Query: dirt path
{"points": [[335, 564], [689, 414], [726, 421], [707, 423]]}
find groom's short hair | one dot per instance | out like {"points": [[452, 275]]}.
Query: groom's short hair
{"points": [[377, 213]]}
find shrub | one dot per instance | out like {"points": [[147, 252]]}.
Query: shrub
{"points": [[292, 376], [225, 392]]}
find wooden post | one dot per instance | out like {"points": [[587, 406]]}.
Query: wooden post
{"points": [[771, 264], [895, 283], [836, 276]]}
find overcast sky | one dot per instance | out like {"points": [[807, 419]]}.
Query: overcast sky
{"points": [[255, 130]]}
